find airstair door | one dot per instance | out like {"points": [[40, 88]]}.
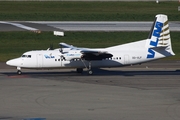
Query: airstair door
{"points": [[39, 60], [126, 59]]}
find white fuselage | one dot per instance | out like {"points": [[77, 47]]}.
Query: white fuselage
{"points": [[122, 55]]}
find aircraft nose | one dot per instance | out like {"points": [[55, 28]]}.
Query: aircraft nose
{"points": [[12, 62]]}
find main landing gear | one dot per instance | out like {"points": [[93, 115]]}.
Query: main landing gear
{"points": [[90, 72], [80, 70], [89, 69]]}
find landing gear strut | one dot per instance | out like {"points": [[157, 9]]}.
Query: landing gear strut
{"points": [[19, 71], [89, 69]]}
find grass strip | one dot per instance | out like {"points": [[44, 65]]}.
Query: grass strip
{"points": [[86, 11]]}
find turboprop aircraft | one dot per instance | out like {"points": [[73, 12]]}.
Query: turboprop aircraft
{"points": [[156, 46]]}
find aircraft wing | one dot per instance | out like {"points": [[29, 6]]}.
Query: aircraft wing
{"points": [[88, 54], [64, 45]]}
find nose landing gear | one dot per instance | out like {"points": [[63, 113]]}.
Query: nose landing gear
{"points": [[19, 71]]}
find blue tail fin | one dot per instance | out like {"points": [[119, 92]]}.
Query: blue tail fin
{"points": [[159, 36]]}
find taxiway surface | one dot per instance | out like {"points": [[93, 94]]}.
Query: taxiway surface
{"points": [[147, 92], [80, 26]]}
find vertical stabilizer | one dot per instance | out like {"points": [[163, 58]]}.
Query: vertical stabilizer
{"points": [[159, 39]]}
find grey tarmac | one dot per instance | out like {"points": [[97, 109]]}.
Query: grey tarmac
{"points": [[149, 91], [81, 26]]}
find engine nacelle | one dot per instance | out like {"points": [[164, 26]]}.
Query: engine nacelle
{"points": [[72, 54]]}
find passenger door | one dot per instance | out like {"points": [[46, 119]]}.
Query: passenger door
{"points": [[39, 60]]}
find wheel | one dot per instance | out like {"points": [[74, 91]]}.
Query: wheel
{"points": [[90, 72], [79, 70], [19, 72]]}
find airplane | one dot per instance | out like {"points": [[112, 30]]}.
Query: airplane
{"points": [[156, 46]]}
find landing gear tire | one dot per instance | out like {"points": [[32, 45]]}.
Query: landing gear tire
{"points": [[90, 72], [19, 72], [79, 70]]}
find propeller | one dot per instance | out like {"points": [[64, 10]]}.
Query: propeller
{"points": [[61, 49]]}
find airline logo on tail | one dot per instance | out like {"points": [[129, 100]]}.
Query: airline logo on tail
{"points": [[155, 38]]}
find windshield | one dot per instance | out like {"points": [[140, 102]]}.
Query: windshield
{"points": [[26, 56]]}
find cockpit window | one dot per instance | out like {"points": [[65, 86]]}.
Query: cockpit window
{"points": [[23, 56], [26, 56]]}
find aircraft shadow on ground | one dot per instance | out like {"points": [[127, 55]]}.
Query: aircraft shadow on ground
{"points": [[103, 72], [96, 72]]}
